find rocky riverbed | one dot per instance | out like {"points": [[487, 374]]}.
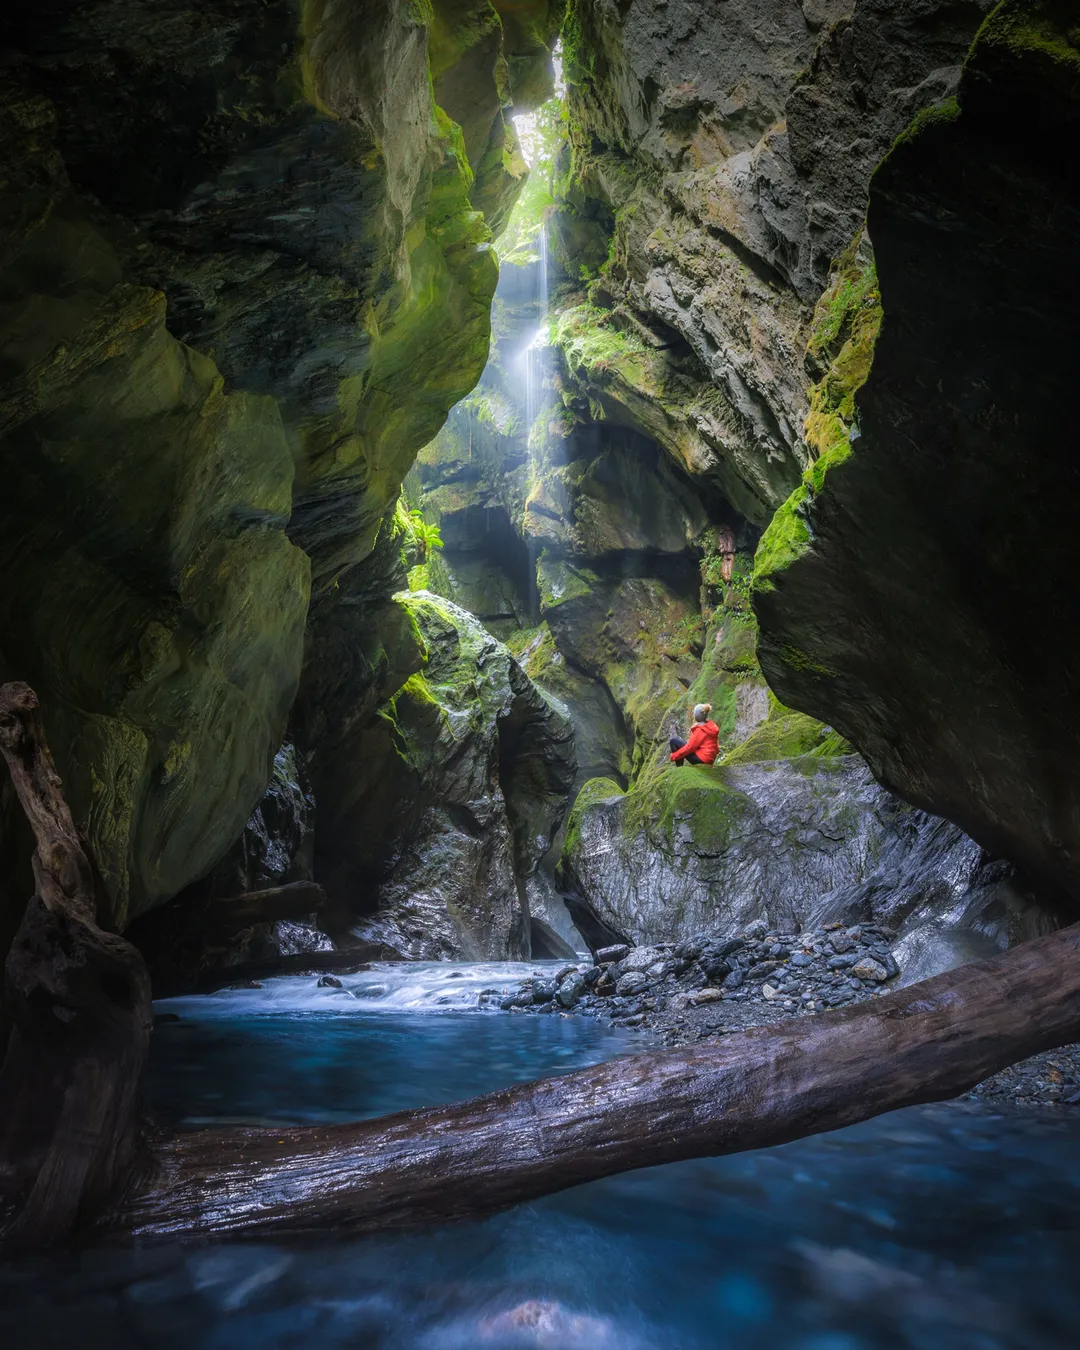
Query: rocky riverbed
{"points": [[711, 985]]}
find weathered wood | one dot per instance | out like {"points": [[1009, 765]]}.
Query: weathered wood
{"points": [[752, 1089], [78, 999]]}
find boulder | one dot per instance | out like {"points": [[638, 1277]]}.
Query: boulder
{"points": [[570, 990], [630, 983], [778, 846]]}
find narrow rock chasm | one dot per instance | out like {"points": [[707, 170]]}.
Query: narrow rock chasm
{"points": [[415, 420]]}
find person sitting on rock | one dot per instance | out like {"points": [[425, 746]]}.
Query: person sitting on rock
{"points": [[703, 745]]}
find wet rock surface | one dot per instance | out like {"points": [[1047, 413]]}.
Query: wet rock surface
{"points": [[796, 843], [713, 983], [904, 612], [458, 787]]}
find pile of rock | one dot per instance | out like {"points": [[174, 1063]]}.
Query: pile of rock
{"points": [[761, 974]]}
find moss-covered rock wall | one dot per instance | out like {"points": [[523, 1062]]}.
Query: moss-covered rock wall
{"points": [[447, 798], [718, 165], [929, 610], [246, 271]]}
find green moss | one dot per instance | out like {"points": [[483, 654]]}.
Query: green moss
{"points": [[593, 346], [559, 582], [578, 53], [797, 659], [948, 110], [786, 538], [415, 690], [786, 734], [695, 795], [1033, 26], [844, 331], [594, 790]]}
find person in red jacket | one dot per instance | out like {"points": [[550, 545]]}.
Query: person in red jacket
{"points": [[703, 744]]}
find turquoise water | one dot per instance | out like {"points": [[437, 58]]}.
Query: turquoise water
{"points": [[946, 1228]]}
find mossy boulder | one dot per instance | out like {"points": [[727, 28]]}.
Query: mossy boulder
{"points": [[786, 734], [796, 842]]}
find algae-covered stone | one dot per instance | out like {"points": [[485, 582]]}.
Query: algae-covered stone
{"points": [[786, 734], [795, 843]]}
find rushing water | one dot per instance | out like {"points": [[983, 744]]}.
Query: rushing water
{"points": [[946, 1228]]}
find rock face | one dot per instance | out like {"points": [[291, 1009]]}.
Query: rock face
{"points": [[278, 842], [714, 186], [149, 591], [245, 271], [926, 606], [721, 156], [465, 783], [792, 844], [198, 935], [245, 274]]}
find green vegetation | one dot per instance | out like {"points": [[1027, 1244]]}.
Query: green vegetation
{"points": [[786, 538], [697, 796], [592, 345], [844, 331], [948, 110], [595, 790], [543, 134], [560, 582], [428, 537], [1033, 27]]}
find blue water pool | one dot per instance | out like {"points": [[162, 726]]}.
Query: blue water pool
{"points": [[945, 1228]]}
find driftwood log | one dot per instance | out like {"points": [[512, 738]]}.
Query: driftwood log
{"points": [[79, 999], [78, 1002]]}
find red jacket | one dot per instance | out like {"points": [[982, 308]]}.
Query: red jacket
{"points": [[704, 742]]}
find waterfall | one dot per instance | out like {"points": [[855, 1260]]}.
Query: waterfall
{"points": [[534, 355]]}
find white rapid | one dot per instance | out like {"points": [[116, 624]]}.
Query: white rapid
{"points": [[387, 987]]}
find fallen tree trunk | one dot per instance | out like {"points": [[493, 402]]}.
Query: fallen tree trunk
{"points": [[78, 999], [753, 1089]]}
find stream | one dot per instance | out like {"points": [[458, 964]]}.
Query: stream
{"points": [[952, 1227]]}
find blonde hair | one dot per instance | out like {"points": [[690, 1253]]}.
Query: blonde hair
{"points": [[701, 711]]}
